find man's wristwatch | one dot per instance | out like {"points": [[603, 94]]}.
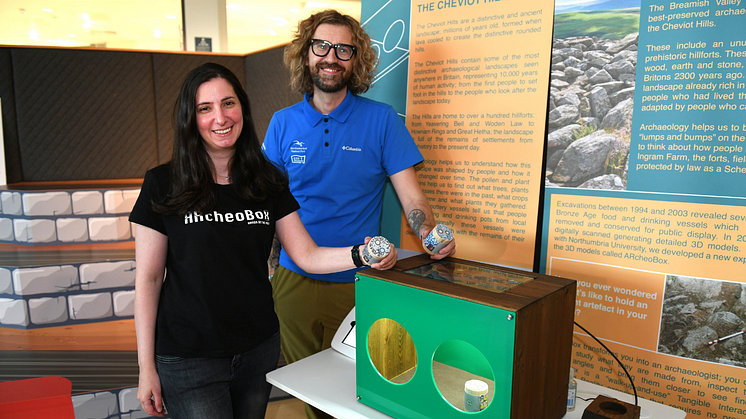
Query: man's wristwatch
{"points": [[356, 256]]}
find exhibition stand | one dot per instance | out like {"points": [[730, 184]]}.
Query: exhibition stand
{"points": [[463, 320], [327, 381], [453, 321]]}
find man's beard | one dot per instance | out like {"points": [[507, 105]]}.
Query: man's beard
{"points": [[330, 85]]}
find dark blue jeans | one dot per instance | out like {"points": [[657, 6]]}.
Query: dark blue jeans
{"points": [[219, 388]]}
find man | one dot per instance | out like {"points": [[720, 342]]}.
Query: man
{"points": [[338, 149]]}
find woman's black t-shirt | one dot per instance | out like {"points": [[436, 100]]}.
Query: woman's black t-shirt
{"points": [[216, 299]]}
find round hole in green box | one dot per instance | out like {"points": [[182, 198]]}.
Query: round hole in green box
{"points": [[454, 363], [392, 351]]}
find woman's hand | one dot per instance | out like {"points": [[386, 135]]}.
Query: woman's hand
{"points": [[149, 393]]}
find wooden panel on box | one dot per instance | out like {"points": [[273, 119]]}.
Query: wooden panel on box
{"points": [[392, 351]]}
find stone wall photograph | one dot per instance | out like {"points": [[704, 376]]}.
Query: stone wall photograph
{"points": [[592, 86], [698, 311]]}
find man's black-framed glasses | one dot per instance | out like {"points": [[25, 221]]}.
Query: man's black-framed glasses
{"points": [[321, 48]]}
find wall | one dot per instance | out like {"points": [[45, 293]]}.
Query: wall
{"points": [[102, 114]]}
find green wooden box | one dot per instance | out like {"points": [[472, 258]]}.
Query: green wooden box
{"points": [[423, 329]]}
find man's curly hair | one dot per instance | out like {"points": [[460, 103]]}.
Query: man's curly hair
{"points": [[296, 53]]}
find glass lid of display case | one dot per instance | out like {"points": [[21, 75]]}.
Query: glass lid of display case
{"points": [[489, 279]]}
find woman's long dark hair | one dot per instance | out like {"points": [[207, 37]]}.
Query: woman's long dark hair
{"points": [[192, 184]]}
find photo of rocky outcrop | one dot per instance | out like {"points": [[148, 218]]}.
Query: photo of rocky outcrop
{"points": [[591, 99], [698, 311]]}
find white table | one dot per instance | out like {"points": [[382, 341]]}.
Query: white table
{"points": [[326, 381], [649, 410]]}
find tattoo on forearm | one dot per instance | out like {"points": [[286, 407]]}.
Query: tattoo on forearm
{"points": [[415, 218], [274, 256]]}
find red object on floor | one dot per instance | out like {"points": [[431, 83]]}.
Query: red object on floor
{"points": [[45, 397]]}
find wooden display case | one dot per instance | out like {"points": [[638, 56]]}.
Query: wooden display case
{"points": [[426, 327]]}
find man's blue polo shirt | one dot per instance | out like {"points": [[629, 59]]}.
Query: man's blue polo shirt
{"points": [[337, 165]]}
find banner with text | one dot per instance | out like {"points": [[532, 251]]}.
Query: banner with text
{"points": [[645, 203], [476, 107]]}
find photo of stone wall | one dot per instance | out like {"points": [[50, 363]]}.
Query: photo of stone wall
{"points": [[591, 98], [697, 311]]}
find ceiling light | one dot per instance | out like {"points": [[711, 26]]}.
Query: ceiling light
{"points": [[170, 17], [156, 33], [47, 10]]}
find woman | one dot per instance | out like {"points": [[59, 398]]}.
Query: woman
{"points": [[207, 334]]}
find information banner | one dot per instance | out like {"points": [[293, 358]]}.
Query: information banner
{"points": [[689, 128], [645, 199], [387, 23], [645, 204], [476, 107]]}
